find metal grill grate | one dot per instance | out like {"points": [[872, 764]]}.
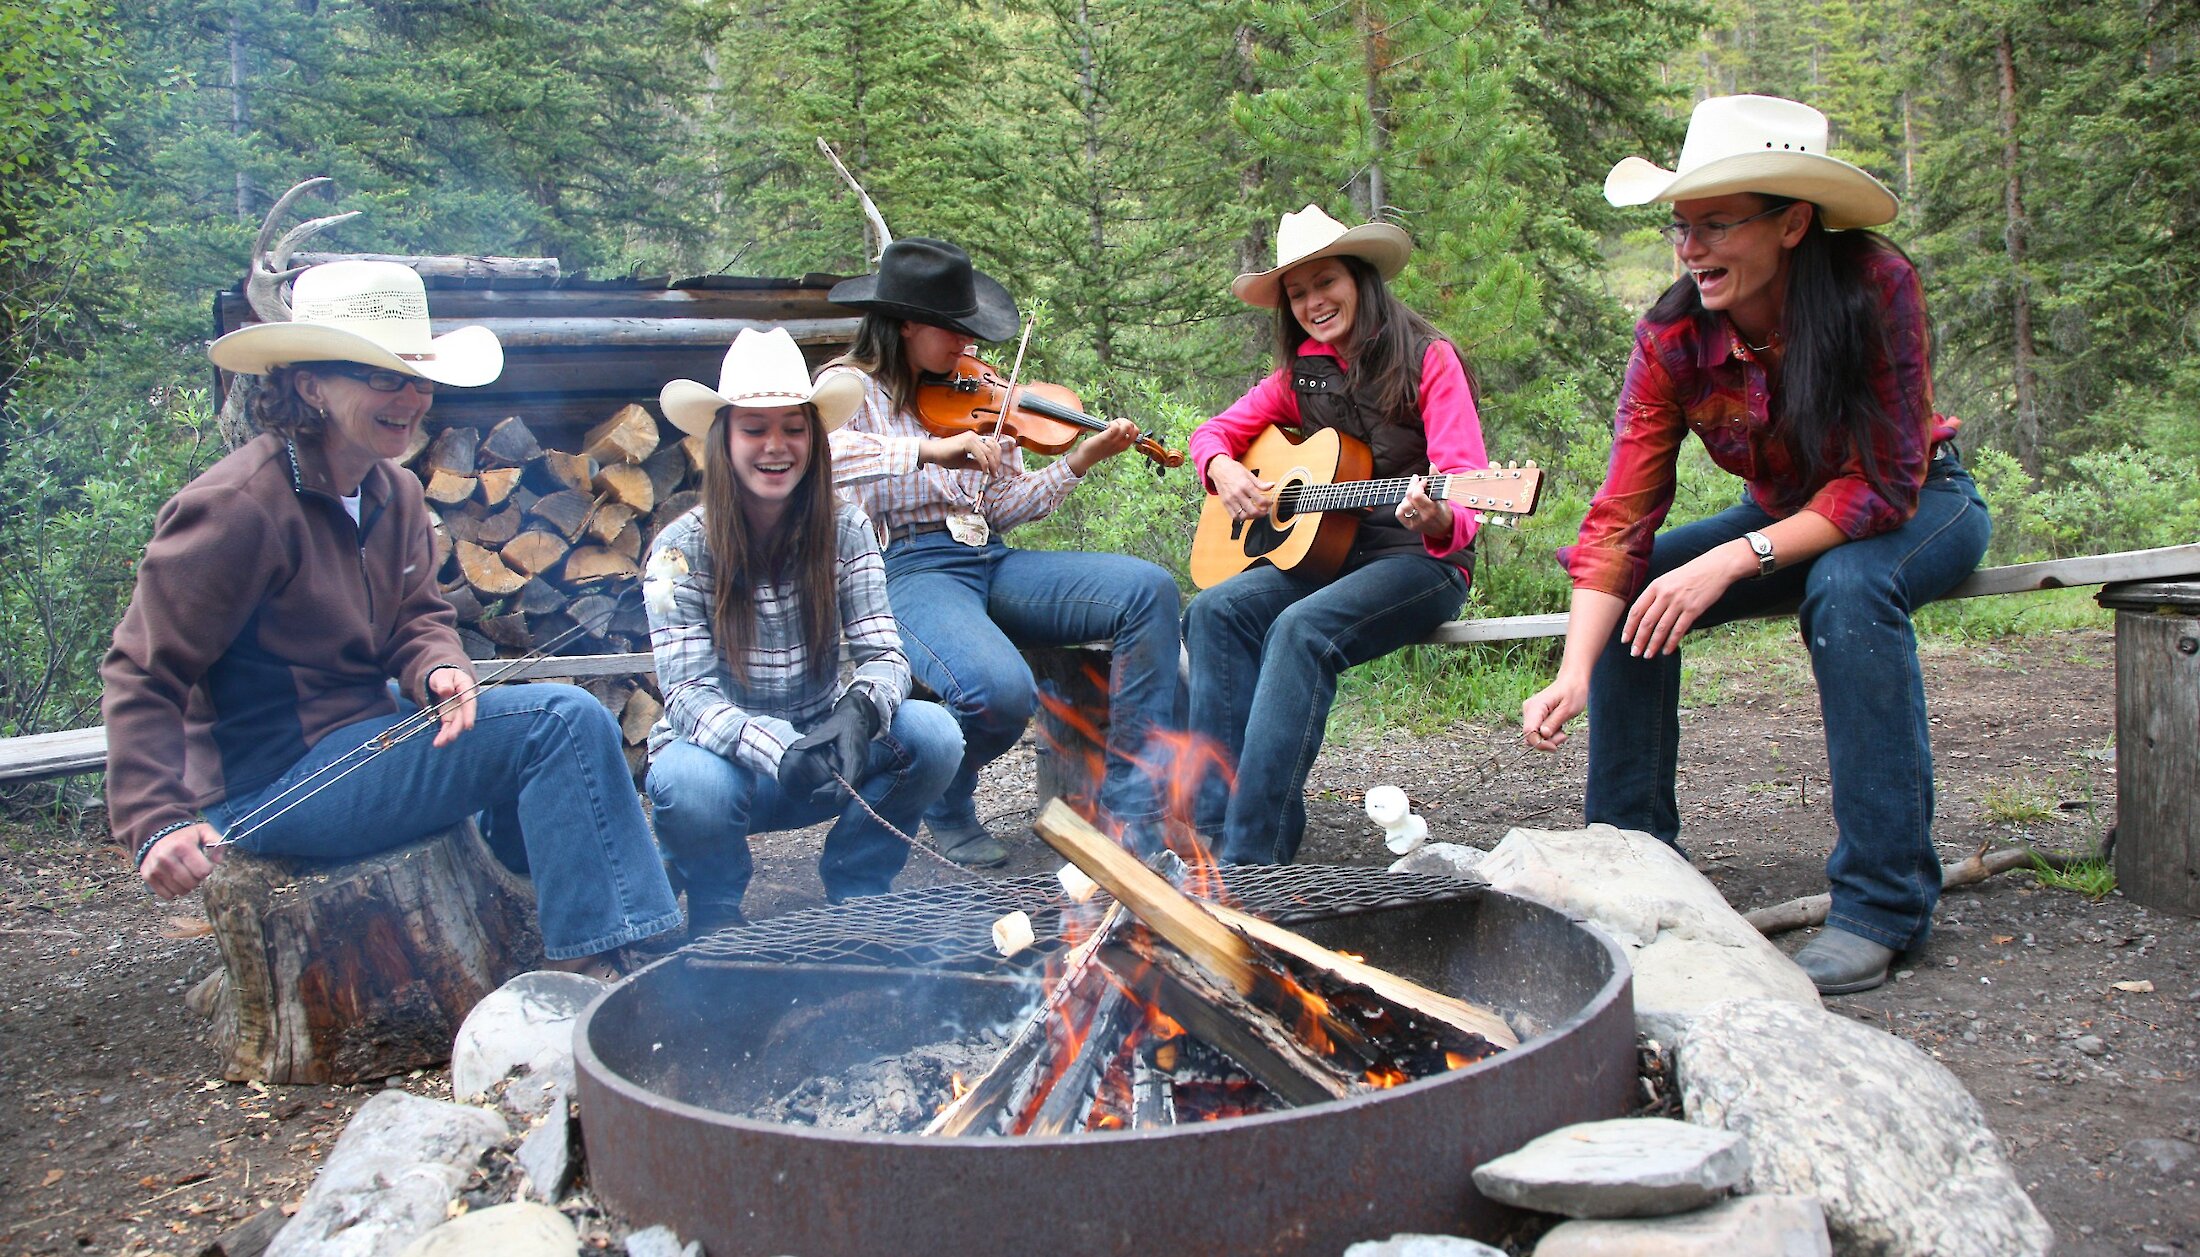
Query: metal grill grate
{"points": [[951, 927]]}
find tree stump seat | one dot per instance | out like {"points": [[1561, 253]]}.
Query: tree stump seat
{"points": [[344, 971]]}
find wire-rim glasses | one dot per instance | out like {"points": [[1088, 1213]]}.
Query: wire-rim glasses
{"points": [[1712, 233]]}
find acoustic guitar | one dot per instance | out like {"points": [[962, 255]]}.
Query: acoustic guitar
{"points": [[1318, 481]]}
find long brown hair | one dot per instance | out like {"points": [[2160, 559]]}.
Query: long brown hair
{"points": [[878, 351], [1386, 372], [802, 551]]}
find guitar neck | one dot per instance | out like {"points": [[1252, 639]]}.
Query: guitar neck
{"points": [[1352, 495]]}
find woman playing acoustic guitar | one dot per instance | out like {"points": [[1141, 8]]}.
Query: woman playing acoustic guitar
{"points": [[1267, 644], [966, 601]]}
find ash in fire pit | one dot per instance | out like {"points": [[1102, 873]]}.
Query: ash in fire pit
{"points": [[894, 1095]]}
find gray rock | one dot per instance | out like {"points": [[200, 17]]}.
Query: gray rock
{"points": [[1629, 1167], [1689, 948], [517, 1229], [391, 1177], [547, 1154], [1746, 1226], [2165, 1155], [1406, 1245], [1889, 1142], [659, 1241], [525, 1024], [1444, 859]]}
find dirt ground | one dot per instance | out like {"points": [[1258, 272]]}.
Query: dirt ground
{"points": [[117, 1136]]}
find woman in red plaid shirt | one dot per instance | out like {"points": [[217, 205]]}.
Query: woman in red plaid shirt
{"points": [[1797, 348]]}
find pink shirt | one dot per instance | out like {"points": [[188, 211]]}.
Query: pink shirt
{"points": [[1447, 413]]}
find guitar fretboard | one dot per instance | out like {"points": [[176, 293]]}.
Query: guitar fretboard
{"points": [[1349, 495]]}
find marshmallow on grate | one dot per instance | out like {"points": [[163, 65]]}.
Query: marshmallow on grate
{"points": [[1403, 828], [1012, 933]]}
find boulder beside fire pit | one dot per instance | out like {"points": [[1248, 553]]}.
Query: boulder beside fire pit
{"points": [[665, 1058]]}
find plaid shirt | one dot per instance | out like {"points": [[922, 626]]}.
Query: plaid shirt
{"points": [[875, 462], [1698, 375], [752, 724]]}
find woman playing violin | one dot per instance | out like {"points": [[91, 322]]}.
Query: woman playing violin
{"points": [[1267, 644], [966, 602]]}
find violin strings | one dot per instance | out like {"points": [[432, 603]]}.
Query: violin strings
{"points": [[421, 719]]}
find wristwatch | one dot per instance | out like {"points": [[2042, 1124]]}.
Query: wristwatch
{"points": [[1761, 546]]}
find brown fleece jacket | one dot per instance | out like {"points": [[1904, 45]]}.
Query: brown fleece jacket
{"points": [[263, 619]]}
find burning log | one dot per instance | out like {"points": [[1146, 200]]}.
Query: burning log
{"points": [[1226, 1020], [1071, 1096]]}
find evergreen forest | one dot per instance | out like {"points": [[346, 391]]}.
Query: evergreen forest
{"points": [[1116, 162]]}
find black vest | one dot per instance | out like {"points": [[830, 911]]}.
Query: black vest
{"points": [[1326, 400]]}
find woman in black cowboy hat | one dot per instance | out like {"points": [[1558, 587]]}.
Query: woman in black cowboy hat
{"points": [[967, 602]]}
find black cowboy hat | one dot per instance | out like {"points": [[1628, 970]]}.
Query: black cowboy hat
{"points": [[932, 281]]}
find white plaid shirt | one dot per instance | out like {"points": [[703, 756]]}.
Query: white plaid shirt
{"points": [[875, 462], [753, 724]]}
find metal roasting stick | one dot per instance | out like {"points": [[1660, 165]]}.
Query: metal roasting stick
{"points": [[423, 719]]}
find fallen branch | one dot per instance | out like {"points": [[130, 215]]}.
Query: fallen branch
{"points": [[1796, 914]]}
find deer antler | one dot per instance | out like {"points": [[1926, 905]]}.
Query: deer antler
{"points": [[877, 228], [263, 289]]}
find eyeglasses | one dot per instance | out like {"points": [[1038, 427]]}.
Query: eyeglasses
{"points": [[1712, 233], [376, 378]]}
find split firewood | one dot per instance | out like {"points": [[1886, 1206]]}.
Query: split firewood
{"points": [[667, 468], [508, 630], [1069, 1101], [510, 444], [453, 451], [588, 564], [448, 488], [489, 575], [626, 437], [474, 644], [463, 522], [535, 551], [461, 597], [1224, 1019], [539, 597], [1810, 910], [629, 543], [439, 544], [496, 484], [415, 446], [523, 497], [609, 520], [1452, 1011], [594, 610], [641, 715], [501, 525], [557, 471], [671, 509], [567, 512], [627, 485], [694, 447]]}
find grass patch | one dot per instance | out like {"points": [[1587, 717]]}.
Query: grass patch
{"points": [[2013, 615], [2019, 802], [1426, 689], [2092, 877]]}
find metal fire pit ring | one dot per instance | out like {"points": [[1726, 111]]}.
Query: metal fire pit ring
{"points": [[658, 1052]]}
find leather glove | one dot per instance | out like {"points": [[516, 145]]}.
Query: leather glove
{"points": [[841, 743]]}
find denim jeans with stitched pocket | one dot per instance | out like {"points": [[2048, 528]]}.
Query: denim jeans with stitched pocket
{"points": [[964, 612], [543, 760], [706, 806], [1266, 648], [1855, 605]]}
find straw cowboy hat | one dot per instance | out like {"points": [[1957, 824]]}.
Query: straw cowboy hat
{"points": [[1760, 144], [932, 281], [1311, 234], [762, 369], [374, 313]]}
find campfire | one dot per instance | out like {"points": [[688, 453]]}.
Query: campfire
{"points": [[1154, 1072]]}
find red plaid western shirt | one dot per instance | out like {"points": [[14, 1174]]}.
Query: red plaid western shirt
{"points": [[1697, 375]]}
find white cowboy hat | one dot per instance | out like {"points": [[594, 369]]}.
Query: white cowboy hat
{"points": [[374, 313], [1311, 234], [762, 369], [1760, 144]]}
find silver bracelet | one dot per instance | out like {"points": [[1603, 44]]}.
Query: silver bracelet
{"points": [[158, 834]]}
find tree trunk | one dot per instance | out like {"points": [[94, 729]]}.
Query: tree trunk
{"points": [[240, 114], [338, 973], [2015, 233]]}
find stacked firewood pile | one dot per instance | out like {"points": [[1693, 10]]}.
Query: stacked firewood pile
{"points": [[535, 547]]}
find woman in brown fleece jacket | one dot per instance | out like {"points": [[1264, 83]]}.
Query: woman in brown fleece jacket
{"points": [[289, 586]]}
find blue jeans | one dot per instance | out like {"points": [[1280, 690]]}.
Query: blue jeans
{"points": [[1856, 601], [706, 806], [541, 759], [1266, 649], [964, 611]]}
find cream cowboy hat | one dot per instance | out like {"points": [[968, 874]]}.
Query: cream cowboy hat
{"points": [[1311, 234], [1759, 144], [374, 313], [762, 369]]}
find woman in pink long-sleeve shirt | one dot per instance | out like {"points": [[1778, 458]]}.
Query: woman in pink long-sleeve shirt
{"points": [[1268, 644]]}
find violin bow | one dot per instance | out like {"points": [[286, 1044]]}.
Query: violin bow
{"points": [[419, 722], [1008, 400]]}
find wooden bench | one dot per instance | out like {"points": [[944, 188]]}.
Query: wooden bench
{"points": [[85, 750]]}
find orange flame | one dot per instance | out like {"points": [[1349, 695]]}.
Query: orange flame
{"points": [[1386, 1076], [1453, 1060]]}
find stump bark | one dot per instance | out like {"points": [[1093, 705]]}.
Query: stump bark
{"points": [[341, 972]]}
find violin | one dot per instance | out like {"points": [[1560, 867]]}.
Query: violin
{"points": [[1043, 418]]}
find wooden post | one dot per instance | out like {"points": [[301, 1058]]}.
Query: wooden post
{"points": [[2158, 742]]}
